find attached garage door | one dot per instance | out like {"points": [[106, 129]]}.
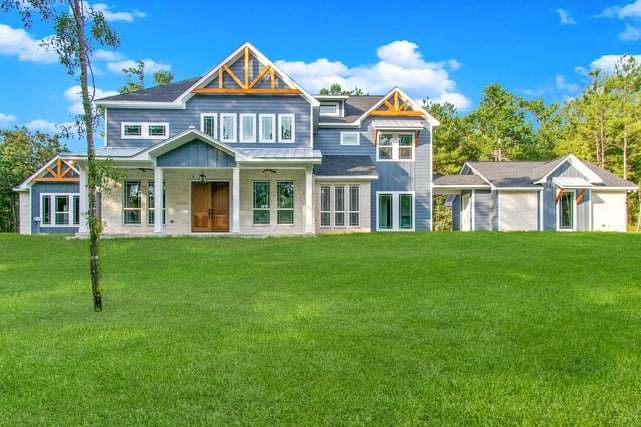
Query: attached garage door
{"points": [[609, 211], [519, 211]]}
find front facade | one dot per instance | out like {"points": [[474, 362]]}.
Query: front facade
{"points": [[245, 150], [565, 194]]}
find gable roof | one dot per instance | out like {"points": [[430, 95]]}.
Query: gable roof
{"points": [[55, 170], [177, 94]]}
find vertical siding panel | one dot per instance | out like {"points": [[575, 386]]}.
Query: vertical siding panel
{"points": [[456, 214]]}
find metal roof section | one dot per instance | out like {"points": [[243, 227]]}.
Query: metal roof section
{"points": [[399, 124], [282, 153], [346, 167], [570, 182]]}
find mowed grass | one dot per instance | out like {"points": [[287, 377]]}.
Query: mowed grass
{"points": [[376, 329]]}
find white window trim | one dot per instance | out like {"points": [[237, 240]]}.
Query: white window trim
{"points": [[241, 127], [144, 130], [267, 209], [336, 211], [395, 147], [320, 206], [344, 134], [164, 200], [325, 104], [349, 207], [292, 209], [280, 128], [395, 206], [574, 212], [234, 129], [52, 210], [202, 123], [347, 195], [143, 220], [260, 128]]}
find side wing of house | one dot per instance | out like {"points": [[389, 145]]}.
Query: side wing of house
{"points": [[50, 199]]}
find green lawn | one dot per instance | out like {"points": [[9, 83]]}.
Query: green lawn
{"points": [[378, 329]]}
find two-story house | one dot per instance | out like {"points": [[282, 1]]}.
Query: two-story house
{"points": [[245, 150]]}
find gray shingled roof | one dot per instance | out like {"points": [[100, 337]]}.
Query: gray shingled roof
{"points": [[346, 166], [163, 93], [355, 106], [459, 180], [525, 173]]}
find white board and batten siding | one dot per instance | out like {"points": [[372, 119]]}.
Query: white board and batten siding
{"points": [[519, 210], [25, 213], [609, 211]]}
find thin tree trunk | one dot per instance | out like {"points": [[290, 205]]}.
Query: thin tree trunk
{"points": [[92, 178]]}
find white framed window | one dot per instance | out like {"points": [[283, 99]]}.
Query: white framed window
{"points": [[208, 124], [395, 211], [58, 209], [285, 202], [266, 127], [228, 127], [395, 147], [329, 109], [566, 211], [350, 138], [261, 203], [144, 130], [248, 128], [325, 206], [286, 128], [151, 202], [339, 206], [131, 205]]}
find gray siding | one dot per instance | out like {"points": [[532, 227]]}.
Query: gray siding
{"points": [[483, 210], [494, 215], [181, 120], [393, 176], [196, 154], [50, 187]]}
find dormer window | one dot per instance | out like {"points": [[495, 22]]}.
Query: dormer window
{"points": [[329, 109]]}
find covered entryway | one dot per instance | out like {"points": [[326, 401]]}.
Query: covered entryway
{"points": [[210, 206]]}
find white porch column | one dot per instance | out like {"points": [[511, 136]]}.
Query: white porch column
{"points": [[235, 203], [83, 227], [158, 201], [309, 201]]}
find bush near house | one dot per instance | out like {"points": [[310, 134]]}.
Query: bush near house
{"points": [[377, 329]]}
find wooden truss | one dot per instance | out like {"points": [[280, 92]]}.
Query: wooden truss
{"points": [[58, 174], [396, 109], [246, 86]]}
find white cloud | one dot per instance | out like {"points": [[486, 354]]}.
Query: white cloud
{"points": [[6, 119], [566, 18], [606, 62], [631, 34], [581, 70], [400, 64], [106, 55], [150, 66], [16, 41], [118, 16], [564, 86], [632, 10], [46, 126], [73, 95]]}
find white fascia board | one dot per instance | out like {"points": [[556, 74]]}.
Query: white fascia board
{"points": [[520, 189], [177, 140], [26, 184], [592, 177], [346, 178], [354, 125], [174, 105]]}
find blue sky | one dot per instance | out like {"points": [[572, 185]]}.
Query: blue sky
{"points": [[444, 50]]}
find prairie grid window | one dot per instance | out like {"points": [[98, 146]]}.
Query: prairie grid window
{"points": [[350, 138], [62, 209], [343, 209], [131, 203], [142, 130], [151, 202], [285, 205], [354, 206], [133, 130], [286, 128], [261, 202], [395, 146], [247, 128], [339, 208], [325, 206], [157, 130], [267, 125], [208, 125]]}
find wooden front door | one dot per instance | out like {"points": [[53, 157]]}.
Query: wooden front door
{"points": [[210, 206]]}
